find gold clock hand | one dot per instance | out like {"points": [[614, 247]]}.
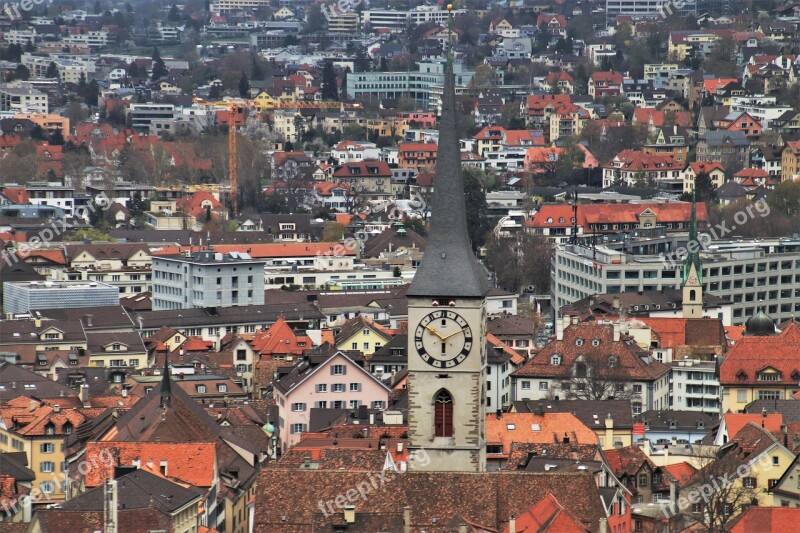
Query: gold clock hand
{"points": [[432, 330], [456, 333]]}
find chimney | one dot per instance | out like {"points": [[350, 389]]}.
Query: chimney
{"points": [[673, 493], [350, 514], [616, 331], [512, 524], [88, 320], [575, 319], [124, 393], [37, 322], [603, 525], [56, 408], [84, 395], [560, 325], [399, 447], [609, 440], [615, 302], [32, 405], [499, 414], [406, 519]]}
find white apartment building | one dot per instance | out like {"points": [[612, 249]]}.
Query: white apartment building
{"points": [[762, 108], [69, 70], [21, 37], [398, 21], [92, 39], [225, 6], [52, 193], [21, 99]]}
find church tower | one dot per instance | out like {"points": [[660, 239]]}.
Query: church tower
{"points": [[446, 321], [693, 272]]}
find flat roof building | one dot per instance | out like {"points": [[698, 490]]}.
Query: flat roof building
{"points": [[207, 279], [22, 297]]}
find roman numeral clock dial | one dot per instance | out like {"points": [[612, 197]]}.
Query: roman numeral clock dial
{"points": [[443, 339]]}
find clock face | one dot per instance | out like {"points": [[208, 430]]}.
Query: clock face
{"points": [[443, 339]]}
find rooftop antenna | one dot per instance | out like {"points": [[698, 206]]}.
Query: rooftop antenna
{"points": [[573, 239]]}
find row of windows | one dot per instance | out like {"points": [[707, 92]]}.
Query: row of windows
{"points": [[335, 387]]}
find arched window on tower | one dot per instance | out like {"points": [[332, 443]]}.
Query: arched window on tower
{"points": [[692, 295], [443, 414]]}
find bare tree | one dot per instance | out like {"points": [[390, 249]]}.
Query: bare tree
{"points": [[599, 376], [520, 260], [718, 492]]}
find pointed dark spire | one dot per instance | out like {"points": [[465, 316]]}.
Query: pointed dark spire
{"points": [[166, 386], [693, 247], [449, 267]]}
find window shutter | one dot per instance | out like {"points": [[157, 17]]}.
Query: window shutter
{"points": [[344, 370], [332, 369]]}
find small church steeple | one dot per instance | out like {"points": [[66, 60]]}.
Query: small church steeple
{"points": [[692, 305]]}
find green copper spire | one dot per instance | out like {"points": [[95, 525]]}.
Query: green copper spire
{"points": [[693, 247]]}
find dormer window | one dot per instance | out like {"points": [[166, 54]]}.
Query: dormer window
{"points": [[555, 360], [595, 342], [613, 361], [578, 342], [50, 429]]}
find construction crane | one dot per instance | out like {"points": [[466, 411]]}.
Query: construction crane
{"points": [[235, 107]]}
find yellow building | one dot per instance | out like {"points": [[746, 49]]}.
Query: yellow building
{"points": [[39, 430], [362, 334], [48, 122], [265, 101], [790, 161], [763, 365]]}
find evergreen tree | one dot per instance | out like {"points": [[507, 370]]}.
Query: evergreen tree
{"points": [[133, 70], [215, 93], [362, 61], [174, 14], [329, 88], [52, 71], [384, 64], [159, 67], [92, 93], [257, 72], [244, 86]]}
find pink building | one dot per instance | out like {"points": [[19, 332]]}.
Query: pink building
{"points": [[336, 383]]}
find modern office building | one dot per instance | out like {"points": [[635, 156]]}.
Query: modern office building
{"points": [[22, 297], [424, 86], [661, 8], [742, 271], [399, 21], [142, 115], [207, 279]]}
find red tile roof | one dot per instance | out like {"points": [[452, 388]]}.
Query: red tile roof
{"points": [[286, 249], [767, 520], [547, 515], [193, 463], [751, 355], [735, 422], [280, 339], [16, 195], [682, 472], [532, 428]]}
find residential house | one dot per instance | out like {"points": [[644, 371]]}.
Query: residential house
{"points": [[335, 381], [605, 84], [715, 171], [731, 148], [583, 355], [790, 161], [362, 334], [761, 366], [419, 156], [369, 179]]}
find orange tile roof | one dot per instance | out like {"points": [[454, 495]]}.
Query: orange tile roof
{"points": [[699, 167], [280, 338], [711, 86], [193, 463], [670, 331], [753, 354], [417, 147], [54, 255], [548, 428], [682, 472], [735, 422], [734, 333], [767, 520], [286, 249], [547, 515], [16, 195]]}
